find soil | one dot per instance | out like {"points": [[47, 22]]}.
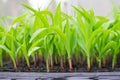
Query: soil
{"points": [[7, 72], [41, 67], [22, 67]]}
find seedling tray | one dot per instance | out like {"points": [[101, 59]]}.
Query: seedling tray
{"points": [[60, 76]]}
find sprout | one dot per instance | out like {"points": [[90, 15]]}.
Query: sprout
{"points": [[58, 38]]}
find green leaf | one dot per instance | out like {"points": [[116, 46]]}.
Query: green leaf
{"points": [[5, 48], [57, 17], [107, 47], [18, 19], [32, 50], [29, 7], [35, 34], [36, 43]]}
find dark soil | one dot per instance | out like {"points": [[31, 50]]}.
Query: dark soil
{"points": [[22, 67], [41, 67], [79, 72]]}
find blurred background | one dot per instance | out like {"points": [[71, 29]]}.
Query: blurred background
{"points": [[14, 8]]}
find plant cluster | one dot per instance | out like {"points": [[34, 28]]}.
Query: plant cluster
{"points": [[61, 38]]}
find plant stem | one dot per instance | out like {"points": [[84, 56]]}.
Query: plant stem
{"points": [[35, 63], [1, 62], [47, 65], [99, 63], [104, 62], [17, 62], [56, 61], [70, 64], [61, 63], [113, 61], [14, 63], [51, 61], [28, 63], [88, 63], [36, 60]]}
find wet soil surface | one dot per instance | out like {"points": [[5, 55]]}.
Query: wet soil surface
{"points": [[60, 76]]}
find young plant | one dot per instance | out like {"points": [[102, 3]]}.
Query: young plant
{"points": [[61, 38], [11, 45], [116, 46], [88, 30], [2, 41]]}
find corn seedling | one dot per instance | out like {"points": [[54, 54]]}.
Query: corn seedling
{"points": [[58, 38]]}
